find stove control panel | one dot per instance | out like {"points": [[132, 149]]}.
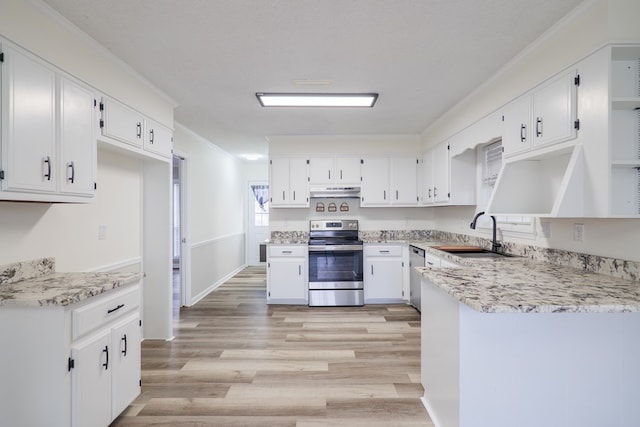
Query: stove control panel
{"points": [[344, 224]]}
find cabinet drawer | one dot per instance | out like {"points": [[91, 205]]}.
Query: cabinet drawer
{"points": [[107, 308], [287, 251], [395, 250]]}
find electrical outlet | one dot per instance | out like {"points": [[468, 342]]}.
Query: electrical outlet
{"points": [[578, 232]]}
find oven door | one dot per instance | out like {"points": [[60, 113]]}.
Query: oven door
{"points": [[335, 267]]}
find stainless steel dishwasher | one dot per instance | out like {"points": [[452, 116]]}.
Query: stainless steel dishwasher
{"points": [[416, 259]]}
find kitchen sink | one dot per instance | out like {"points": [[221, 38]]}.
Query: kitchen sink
{"points": [[471, 252]]}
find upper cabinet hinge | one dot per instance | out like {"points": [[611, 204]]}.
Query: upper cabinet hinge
{"points": [[1, 56], [308, 162], [270, 162], [140, 323], [576, 124], [576, 80], [1, 175], [101, 123], [448, 146], [362, 161], [95, 185], [71, 363]]}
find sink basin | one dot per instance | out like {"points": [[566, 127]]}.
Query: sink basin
{"points": [[471, 252]]}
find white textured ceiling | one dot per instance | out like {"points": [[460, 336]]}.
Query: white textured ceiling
{"points": [[211, 56]]}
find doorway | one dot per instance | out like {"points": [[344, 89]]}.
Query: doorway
{"points": [[257, 222], [180, 294]]}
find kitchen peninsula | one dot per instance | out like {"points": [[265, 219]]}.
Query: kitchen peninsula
{"points": [[519, 342]]}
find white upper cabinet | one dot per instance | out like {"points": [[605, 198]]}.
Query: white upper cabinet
{"points": [[375, 181], [158, 138], [48, 139], [121, 122], [342, 171], [440, 167], [389, 181], [28, 123], [404, 180], [78, 162], [288, 180], [546, 115]]}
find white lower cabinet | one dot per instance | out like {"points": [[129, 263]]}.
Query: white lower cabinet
{"points": [[106, 373], [287, 277], [76, 365], [384, 271]]}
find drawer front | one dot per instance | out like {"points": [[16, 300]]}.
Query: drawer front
{"points": [[287, 251], [104, 309], [375, 250]]}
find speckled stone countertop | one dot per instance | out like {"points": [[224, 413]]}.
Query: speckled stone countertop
{"points": [[36, 284], [519, 285]]}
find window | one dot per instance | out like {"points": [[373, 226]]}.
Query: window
{"points": [[490, 159], [261, 205]]}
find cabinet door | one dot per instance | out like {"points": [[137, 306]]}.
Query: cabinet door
{"points": [[383, 279], [158, 138], [279, 182], [404, 180], [554, 111], [298, 182], [321, 170], [287, 279], [125, 381], [347, 170], [375, 181], [28, 119], [91, 384], [428, 177], [78, 163], [516, 133], [121, 122], [441, 173]]}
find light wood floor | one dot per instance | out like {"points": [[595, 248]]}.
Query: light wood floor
{"points": [[237, 362]]}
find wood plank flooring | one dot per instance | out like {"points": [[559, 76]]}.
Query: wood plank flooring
{"points": [[237, 362]]}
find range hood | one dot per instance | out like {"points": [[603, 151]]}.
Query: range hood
{"points": [[335, 192]]}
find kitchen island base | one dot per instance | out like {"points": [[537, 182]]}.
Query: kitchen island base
{"points": [[528, 369]]}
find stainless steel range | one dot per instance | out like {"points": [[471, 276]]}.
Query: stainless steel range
{"points": [[335, 263]]}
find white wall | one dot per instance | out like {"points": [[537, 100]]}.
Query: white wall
{"points": [[216, 193], [69, 232], [591, 26]]}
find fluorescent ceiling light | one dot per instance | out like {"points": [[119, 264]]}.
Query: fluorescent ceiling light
{"points": [[317, 99]]}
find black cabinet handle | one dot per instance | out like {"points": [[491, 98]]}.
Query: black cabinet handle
{"points": [[72, 178], [139, 130], [329, 174], [523, 133], [115, 309], [47, 161], [124, 338], [105, 350], [151, 136], [539, 127]]}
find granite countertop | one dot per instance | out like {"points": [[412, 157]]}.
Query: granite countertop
{"points": [[36, 284], [519, 285]]}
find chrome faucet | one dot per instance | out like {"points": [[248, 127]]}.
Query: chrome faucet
{"points": [[494, 244]]}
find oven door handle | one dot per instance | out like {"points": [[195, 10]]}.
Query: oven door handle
{"points": [[335, 248]]}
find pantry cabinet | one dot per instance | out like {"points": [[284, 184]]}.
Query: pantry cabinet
{"points": [[287, 276], [288, 178], [384, 271], [48, 143]]}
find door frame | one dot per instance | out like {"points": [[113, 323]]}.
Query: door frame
{"points": [[250, 235], [185, 246]]}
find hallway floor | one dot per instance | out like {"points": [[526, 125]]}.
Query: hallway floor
{"points": [[237, 362]]}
